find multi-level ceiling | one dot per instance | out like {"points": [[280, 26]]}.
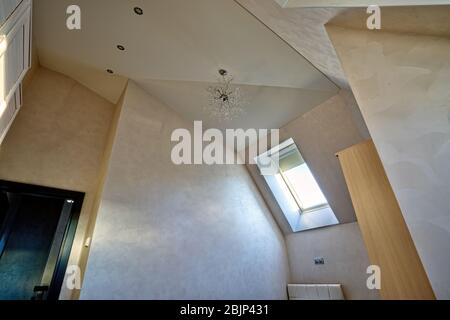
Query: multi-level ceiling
{"points": [[301, 23], [277, 50], [174, 49]]}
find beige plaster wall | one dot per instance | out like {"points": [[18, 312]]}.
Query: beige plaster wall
{"points": [[179, 232], [319, 134], [330, 127], [401, 82], [103, 171], [58, 140], [345, 255]]}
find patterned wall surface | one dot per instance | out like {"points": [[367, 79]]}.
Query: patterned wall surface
{"points": [[401, 83], [179, 232]]}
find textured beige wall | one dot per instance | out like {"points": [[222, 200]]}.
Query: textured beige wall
{"points": [[328, 128], [319, 134], [58, 140], [345, 255], [103, 171], [179, 232], [401, 82]]}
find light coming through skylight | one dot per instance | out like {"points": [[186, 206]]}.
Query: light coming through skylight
{"points": [[304, 187]]}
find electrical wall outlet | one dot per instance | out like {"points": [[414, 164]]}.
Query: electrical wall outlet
{"points": [[319, 260]]}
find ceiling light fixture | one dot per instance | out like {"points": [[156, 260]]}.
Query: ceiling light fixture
{"points": [[138, 11], [225, 99]]}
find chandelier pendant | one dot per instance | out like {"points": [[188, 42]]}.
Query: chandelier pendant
{"points": [[225, 100]]}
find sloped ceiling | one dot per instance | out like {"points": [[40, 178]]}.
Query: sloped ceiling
{"points": [[301, 23], [281, 103], [424, 20], [356, 3], [303, 29], [174, 51]]}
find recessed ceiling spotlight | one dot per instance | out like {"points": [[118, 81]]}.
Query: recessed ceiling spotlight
{"points": [[138, 11], [120, 47], [109, 71]]}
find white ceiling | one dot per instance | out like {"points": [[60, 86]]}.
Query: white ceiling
{"points": [[175, 49], [280, 103]]}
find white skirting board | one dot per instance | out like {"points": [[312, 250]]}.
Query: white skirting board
{"points": [[315, 292]]}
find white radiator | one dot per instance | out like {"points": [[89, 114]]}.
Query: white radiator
{"points": [[315, 292]]}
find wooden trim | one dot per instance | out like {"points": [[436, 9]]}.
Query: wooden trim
{"points": [[386, 235]]}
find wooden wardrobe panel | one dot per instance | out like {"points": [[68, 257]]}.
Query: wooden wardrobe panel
{"points": [[384, 230]]}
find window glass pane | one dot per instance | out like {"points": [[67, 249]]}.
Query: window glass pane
{"points": [[290, 199], [305, 187]]}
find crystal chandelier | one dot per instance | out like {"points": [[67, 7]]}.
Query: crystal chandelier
{"points": [[225, 100]]}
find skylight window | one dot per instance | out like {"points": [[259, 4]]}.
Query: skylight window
{"points": [[295, 180], [305, 187], [294, 188], [301, 202], [299, 180]]}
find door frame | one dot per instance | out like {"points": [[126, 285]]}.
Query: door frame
{"points": [[71, 227]]}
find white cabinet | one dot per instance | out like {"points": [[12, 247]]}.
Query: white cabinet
{"points": [[15, 58], [15, 61], [9, 111]]}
